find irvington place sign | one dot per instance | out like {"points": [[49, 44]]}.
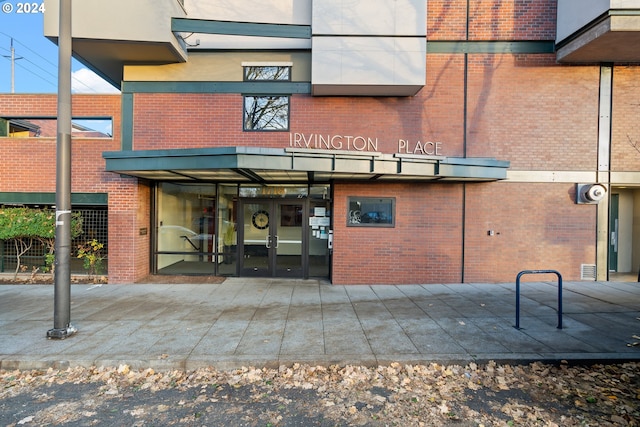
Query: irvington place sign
{"points": [[360, 143]]}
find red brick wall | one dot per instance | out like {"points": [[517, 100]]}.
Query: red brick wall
{"points": [[512, 20], [446, 19], [215, 120], [625, 135], [425, 246], [37, 171], [529, 114], [520, 108], [29, 165], [537, 226], [491, 20], [129, 245], [442, 113]]}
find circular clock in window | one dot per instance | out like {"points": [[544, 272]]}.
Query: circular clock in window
{"points": [[260, 219]]}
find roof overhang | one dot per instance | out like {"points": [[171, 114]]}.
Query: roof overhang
{"points": [[110, 34], [270, 165], [613, 38], [107, 58]]}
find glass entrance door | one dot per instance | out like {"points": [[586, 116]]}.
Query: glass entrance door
{"points": [[256, 239], [289, 250], [272, 240]]}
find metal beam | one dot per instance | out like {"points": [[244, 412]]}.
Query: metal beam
{"points": [[240, 28], [254, 88], [513, 47]]}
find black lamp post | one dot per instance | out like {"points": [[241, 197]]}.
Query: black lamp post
{"points": [[62, 277]]}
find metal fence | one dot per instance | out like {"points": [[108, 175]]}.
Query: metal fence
{"points": [[94, 226]]}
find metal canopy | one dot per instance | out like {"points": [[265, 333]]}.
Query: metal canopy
{"points": [[265, 165]]}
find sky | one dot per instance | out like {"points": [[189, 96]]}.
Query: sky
{"points": [[36, 58]]}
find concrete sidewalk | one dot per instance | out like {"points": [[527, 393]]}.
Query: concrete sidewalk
{"points": [[268, 322]]}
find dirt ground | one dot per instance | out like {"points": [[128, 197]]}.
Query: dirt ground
{"points": [[301, 395]]}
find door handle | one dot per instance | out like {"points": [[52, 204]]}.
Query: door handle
{"points": [[277, 241], [267, 242]]}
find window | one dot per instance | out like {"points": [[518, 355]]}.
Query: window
{"points": [[291, 215], [371, 212], [267, 72], [46, 127], [266, 112]]}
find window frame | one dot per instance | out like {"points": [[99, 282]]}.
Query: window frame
{"points": [[354, 216], [247, 66], [256, 97], [45, 127], [244, 113]]}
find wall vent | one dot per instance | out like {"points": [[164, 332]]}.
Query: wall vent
{"points": [[587, 272]]}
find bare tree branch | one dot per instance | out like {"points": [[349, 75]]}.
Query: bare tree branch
{"points": [[635, 144]]}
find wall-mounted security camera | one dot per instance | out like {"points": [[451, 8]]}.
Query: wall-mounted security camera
{"points": [[590, 193]]}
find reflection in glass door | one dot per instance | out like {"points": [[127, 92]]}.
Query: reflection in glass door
{"points": [[288, 239], [272, 240], [185, 229], [256, 239], [613, 232]]}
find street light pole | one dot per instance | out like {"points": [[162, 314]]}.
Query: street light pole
{"points": [[62, 277], [13, 68], [13, 59]]}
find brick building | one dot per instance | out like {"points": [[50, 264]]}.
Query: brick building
{"points": [[384, 142]]}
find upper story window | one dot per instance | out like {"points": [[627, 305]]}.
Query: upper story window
{"points": [[266, 112], [267, 72]]}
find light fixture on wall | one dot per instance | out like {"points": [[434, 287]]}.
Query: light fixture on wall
{"points": [[590, 194]]}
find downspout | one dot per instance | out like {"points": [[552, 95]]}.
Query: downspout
{"points": [[464, 143]]}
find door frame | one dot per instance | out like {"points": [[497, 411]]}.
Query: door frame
{"points": [[614, 219], [274, 208]]}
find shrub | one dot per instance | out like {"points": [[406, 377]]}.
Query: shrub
{"points": [[24, 225]]}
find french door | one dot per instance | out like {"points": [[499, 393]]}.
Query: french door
{"points": [[272, 242]]}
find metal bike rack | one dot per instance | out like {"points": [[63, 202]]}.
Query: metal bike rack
{"points": [[522, 273]]}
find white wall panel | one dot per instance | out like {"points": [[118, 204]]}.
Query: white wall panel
{"points": [[265, 11], [371, 43], [369, 17], [140, 20], [369, 60]]}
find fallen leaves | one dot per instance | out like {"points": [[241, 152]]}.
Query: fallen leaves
{"points": [[396, 394]]}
